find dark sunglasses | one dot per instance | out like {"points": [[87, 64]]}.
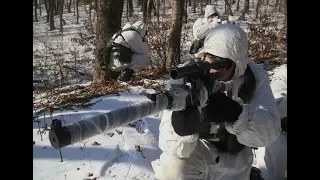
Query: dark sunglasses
{"points": [[221, 63], [214, 14]]}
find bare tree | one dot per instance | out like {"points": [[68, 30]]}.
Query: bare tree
{"points": [[185, 13], [39, 7], [237, 8], [158, 10], [61, 19], [85, 7], [201, 7], [164, 7], [127, 11], [35, 3], [141, 5], [173, 55], [90, 21], [276, 5], [284, 3], [130, 7], [95, 9], [149, 9], [51, 19], [257, 8], [74, 8], [228, 6], [69, 6], [56, 7], [245, 9], [194, 6], [109, 13], [46, 6], [77, 8], [145, 7]]}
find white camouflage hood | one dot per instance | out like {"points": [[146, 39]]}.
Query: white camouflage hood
{"points": [[210, 9], [140, 27], [229, 41]]}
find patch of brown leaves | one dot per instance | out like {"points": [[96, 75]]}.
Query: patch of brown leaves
{"points": [[81, 95], [84, 95]]}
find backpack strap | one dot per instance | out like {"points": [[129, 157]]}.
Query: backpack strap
{"points": [[248, 88], [119, 33]]}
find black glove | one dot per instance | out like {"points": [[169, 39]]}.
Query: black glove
{"points": [[187, 122], [221, 109], [227, 142], [255, 174], [284, 124], [126, 75], [153, 97]]}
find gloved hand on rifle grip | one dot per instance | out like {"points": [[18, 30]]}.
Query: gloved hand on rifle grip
{"points": [[186, 122], [153, 97], [221, 109]]}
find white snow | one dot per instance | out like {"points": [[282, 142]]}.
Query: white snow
{"points": [[115, 158]]}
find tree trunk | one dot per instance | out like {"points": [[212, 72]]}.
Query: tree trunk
{"points": [[61, 20], [276, 5], [90, 21], [245, 9], [84, 8], [109, 13], [173, 55], [51, 19], [46, 6], [201, 7], [142, 5], [237, 8], [145, 8], [228, 7], [40, 8], [95, 10], [189, 3], [127, 11], [257, 8], [185, 13], [194, 6], [130, 7], [164, 7], [246, 6], [56, 7], [69, 7], [149, 9], [66, 5], [35, 2], [158, 10], [285, 9], [77, 8], [139, 2], [74, 8]]}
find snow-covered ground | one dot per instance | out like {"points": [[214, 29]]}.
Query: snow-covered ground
{"points": [[115, 154]]}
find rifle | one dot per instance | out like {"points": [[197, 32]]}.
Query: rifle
{"points": [[197, 83]]}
